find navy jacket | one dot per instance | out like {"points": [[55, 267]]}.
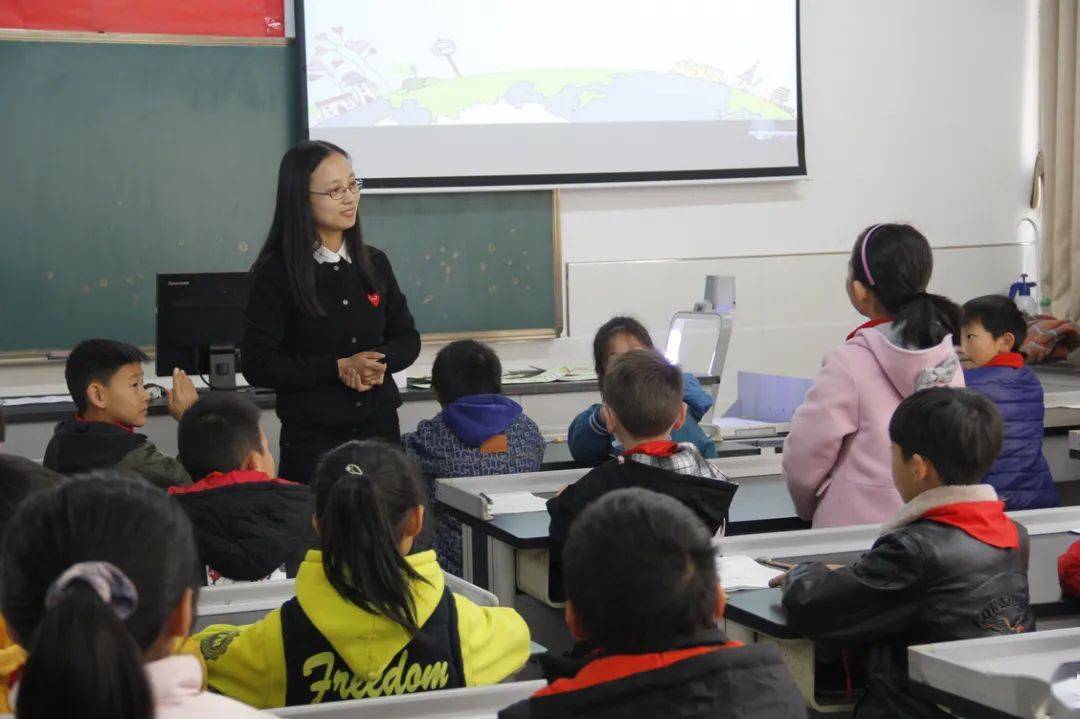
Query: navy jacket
{"points": [[451, 444], [1020, 475]]}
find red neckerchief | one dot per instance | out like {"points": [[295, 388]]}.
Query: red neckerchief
{"points": [[128, 427], [217, 480], [868, 324], [985, 521], [620, 666], [656, 448], [1007, 359]]}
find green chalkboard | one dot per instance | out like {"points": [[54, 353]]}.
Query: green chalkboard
{"points": [[120, 161], [471, 262]]}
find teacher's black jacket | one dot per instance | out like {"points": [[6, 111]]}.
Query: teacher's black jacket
{"points": [[296, 355]]}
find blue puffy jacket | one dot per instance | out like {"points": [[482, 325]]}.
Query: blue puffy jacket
{"points": [[591, 443], [1020, 475]]}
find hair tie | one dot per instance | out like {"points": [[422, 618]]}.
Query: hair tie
{"points": [[108, 582], [865, 264], [354, 470]]}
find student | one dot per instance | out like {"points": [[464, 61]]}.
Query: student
{"points": [[478, 432], [369, 618], [19, 478], [590, 440], [643, 402], [991, 332], [950, 565], [248, 524], [642, 587], [99, 579], [836, 456], [105, 379]]}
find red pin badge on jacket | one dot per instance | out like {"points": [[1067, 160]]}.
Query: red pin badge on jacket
{"points": [[374, 298]]}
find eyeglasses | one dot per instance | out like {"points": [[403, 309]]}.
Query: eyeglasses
{"points": [[155, 391], [338, 192]]}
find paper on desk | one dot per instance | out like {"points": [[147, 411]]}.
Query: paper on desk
{"points": [[515, 503], [20, 401], [741, 572], [1062, 400]]}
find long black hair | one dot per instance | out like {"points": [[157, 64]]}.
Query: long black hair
{"points": [[84, 660], [292, 234], [363, 491], [609, 331], [900, 263]]}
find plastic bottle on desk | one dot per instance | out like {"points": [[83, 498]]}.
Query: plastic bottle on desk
{"points": [[1020, 293]]}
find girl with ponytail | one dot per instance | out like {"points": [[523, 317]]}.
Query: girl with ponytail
{"points": [[371, 616], [99, 578], [837, 455]]}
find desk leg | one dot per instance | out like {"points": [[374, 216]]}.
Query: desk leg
{"points": [[474, 558], [502, 571], [798, 655]]}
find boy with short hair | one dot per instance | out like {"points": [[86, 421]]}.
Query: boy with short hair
{"points": [[479, 432], [992, 330], [642, 587], [950, 565], [105, 379], [643, 402], [247, 522]]}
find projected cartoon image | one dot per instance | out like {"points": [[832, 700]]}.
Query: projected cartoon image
{"points": [[564, 61]]}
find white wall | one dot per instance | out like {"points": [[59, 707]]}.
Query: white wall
{"points": [[919, 110]]}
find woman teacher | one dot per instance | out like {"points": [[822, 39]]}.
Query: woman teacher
{"points": [[326, 323]]}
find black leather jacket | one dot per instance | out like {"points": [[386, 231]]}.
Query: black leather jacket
{"points": [[924, 582]]}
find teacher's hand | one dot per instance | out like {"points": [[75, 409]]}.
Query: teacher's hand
{"points": [[362, 371], [353, 380]]}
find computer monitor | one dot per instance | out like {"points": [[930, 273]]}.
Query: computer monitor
{"points": [[200, 321]]}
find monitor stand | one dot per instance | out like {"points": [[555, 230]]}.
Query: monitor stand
{"points": [[222, 367]]}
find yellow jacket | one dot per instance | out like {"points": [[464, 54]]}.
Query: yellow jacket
{"points": [[12, 658], [248, 663]]}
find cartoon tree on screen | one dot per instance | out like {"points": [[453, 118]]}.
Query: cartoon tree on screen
{"points": [[445, 47]]}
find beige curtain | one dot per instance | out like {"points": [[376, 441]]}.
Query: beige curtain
{"points": [[1059, 134]]}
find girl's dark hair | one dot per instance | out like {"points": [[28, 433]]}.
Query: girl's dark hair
{"points": [[900, 264], [610, 330], [84, 660], [292, 234], [363, 490]]}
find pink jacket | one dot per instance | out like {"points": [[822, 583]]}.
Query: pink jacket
{"points": [[837, 459], [176, 683]]}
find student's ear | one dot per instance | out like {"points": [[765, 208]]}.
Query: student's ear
{"points": [[574, 624], [721, 602], [681, 419], [920, 467], [1005, 343], [178, 623], [252, 462], [610, 420], [96, 395], [317, 526], [859, 293], [414, 522]]}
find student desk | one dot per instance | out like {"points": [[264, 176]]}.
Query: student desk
{"points": [[241, 604], [757, 615], [762, 504], [550, 404], [471, 703], [1030, 676]]}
